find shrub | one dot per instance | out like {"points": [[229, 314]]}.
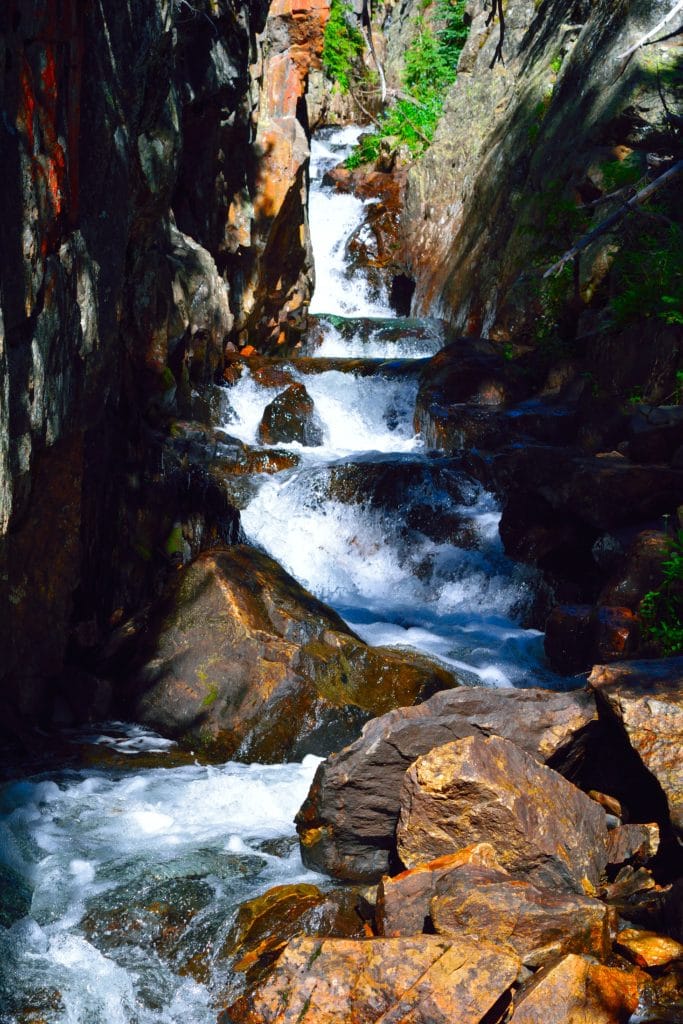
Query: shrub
{"points": [[661, 611], [342, 46]]}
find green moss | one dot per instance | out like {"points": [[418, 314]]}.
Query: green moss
{"points": [[167, 379], [342, 46], [174, 542], [212, 696]]}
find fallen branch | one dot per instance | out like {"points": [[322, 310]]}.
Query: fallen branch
{"points": [[676, 9], [618, 215], [498, 53]]}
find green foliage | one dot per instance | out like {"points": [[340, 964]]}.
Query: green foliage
{"points": [[648, 275], [618, 174], [661, 611], [342, 45], [429, 69]]}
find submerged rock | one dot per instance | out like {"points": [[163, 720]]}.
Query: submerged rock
{"points": [[291, 417], [348, 820], [542, 827], [424, 980], [240, 660]]}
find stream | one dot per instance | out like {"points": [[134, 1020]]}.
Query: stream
{"points": [[127, 873]]}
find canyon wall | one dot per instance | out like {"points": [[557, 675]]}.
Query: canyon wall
{"points": [[524, 143], [154, 167]]}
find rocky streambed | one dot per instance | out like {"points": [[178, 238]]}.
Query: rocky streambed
{"points": [[490, 837]]}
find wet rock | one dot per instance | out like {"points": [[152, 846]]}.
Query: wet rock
{"points": [[536, 922], [291, 417], [15, 897], [264, 925], [425, 980], [348, 820], [242, 661], [639, 571], [542, 827], [578, 636], [576, 988], [645, 698], [647, 949], [637, 843], [403, 901], [655, 433]]}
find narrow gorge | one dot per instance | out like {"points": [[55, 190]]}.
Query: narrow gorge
{"points": [[341, 512]]}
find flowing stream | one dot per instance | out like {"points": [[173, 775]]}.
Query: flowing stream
{"points": [[127, 874]]}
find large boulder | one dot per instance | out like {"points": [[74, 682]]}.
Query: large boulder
{"points": [[537, 922], [575, 988], [242, 661], [424, 980], [348, 820], [542, 827], [645, 699]]}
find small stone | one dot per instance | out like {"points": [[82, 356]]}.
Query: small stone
{"points": [[648, 949]]}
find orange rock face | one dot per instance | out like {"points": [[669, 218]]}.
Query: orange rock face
{"points": [[424, 980], [575, 989]]}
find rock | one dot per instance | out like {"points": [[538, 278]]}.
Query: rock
{"points": [[403, 901], [291, 417], [647, 949], [348, 820], [577, 989], [264, 925], [240, 660], [15, 896], [638, 843], [615, 634], [567, 638], [536, 922], [655, 433], [542, 827], [425, 980], [645, 698], [639, 572]]}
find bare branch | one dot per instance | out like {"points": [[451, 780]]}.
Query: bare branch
{"points": [[498, 9], [676, 9], [617, 216]]}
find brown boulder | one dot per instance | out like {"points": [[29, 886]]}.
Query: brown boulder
{"points": [[348, 820], [240, 660], [574, 989], [475, 790], [423, 980], [645, 698], [567, 638], [403, 901], [291, 417], [536, 922]]}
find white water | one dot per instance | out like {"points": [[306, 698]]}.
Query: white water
{"points": [[102, 851]]}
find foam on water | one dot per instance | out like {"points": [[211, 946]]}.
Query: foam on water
{"points": [[380, 341], [95, 847], [334, 217]]}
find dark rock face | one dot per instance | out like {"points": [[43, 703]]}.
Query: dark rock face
{"points": [[130, 168], [241, 661], [348, 820]]}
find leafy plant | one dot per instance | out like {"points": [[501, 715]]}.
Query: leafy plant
{"points": [[429, 69], [342, 45], [661, 611], [648, 274]]}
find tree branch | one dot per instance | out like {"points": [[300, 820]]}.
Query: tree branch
{"points": [[498, 53], [618, 215], [676, 9]]}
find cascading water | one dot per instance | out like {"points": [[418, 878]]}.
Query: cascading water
{"points": [[129, 878]]}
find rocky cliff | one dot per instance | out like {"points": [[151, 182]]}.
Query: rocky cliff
{"points": [[154, 161], [524, 146]]}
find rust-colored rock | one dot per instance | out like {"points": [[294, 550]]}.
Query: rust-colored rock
{"points": [[291, 417], [647, 949], [536, 922], [474, 790], [348, 821], [646, 699], [576, 989], [423, 980], [403, 901], [242, 661]]}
